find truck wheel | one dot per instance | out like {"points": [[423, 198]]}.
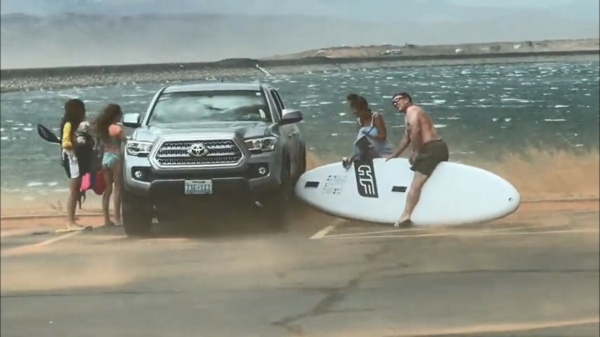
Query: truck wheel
{"points": [[300, 167], [277, 205], [137, 217]]}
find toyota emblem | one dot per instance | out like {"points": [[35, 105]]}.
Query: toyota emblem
{"points": [[198, 150]]}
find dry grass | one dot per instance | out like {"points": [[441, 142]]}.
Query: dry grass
{"points": [[550, 174]]}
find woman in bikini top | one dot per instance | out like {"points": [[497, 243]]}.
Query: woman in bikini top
{"points": [[371, 125]]}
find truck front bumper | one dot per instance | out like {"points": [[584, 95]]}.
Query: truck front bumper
{"points": [[256, 178]]}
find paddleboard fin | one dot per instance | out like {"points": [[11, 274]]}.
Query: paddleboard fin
{"points": [[311, 184], [400, 189]]}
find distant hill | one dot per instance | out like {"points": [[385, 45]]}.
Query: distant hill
{"points": [[446, 49], [74, 39]]}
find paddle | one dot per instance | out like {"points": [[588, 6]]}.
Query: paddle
{"points": [[47, 135]]}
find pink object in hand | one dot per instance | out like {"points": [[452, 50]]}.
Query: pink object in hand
{"points": [[93, 181]]}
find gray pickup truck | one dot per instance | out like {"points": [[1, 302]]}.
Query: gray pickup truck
{"points": [[202, 146]]}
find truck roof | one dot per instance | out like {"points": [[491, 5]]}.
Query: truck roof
{"points": [[216, 86]]}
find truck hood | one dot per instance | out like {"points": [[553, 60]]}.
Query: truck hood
{"points": [[239, 130]]}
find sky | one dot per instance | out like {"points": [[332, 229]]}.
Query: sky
{"points": [[512, 3], [350, 8], [242, 30]]}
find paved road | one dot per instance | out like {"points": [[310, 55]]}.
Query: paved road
{"points": [[538, 278]]}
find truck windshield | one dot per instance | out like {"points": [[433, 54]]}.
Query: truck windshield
{"points": [[210, 106]]}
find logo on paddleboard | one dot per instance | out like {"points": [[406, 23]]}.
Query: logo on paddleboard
{"points": [[366, 184]]}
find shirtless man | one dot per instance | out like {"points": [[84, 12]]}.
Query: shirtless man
{"points": [[428, 150]]}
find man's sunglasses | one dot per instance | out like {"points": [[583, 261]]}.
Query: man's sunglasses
{"points": [[397, 99]]}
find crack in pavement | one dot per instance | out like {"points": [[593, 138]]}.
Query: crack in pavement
{"points": [[333, 297], [338, 294]]}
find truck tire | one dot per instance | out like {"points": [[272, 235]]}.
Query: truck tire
{"points": [[301, 166], [137, 216], [277, 205]]}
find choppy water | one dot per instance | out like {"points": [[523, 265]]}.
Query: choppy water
{"points": [[479, 109]]}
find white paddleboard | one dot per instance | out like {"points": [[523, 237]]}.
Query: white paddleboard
{"points": [[376, 191]]}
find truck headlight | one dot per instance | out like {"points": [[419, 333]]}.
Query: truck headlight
{"points": [[137, 148], [263, 144]]}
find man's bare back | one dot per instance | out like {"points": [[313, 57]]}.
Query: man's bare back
{"points": [[419, 125]]}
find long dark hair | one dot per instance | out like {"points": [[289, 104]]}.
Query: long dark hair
{"points": [[351, 99], [106, 119], [74, 114]]}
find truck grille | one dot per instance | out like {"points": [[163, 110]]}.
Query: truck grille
{"points": [[218, 152]]}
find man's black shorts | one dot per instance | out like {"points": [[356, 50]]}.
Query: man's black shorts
{"points": [[432, 153]]}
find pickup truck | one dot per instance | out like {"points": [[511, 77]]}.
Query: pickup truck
{"points": [[210, 145]]}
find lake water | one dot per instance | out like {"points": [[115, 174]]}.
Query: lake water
{"points": [[479, 109]]}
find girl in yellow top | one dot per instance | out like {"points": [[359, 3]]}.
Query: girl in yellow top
{"points": [[73, 116]]}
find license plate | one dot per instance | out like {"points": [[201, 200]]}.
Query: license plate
{"points": [[198, 187]]}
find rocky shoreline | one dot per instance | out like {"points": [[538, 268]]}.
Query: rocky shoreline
{"points": [[13, 80]]}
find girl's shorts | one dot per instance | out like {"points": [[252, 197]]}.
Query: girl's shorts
{"points": [[110, 159]]}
